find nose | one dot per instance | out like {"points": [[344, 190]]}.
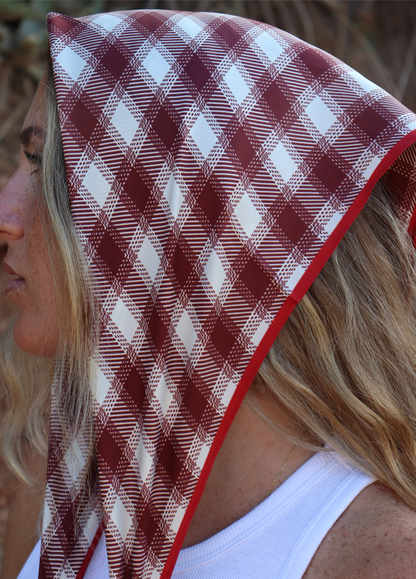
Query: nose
{"points": [[11, 219]]}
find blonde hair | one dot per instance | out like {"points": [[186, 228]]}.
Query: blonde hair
{"points": [[344, 364], [27, 379]]}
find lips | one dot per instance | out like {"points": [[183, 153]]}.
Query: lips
{"points": [[10, 270], [14, 284]]}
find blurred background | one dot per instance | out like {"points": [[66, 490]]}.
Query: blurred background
{"points": [[376, 37]]}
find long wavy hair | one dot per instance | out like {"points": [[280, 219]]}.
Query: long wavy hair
{"points": [[344, 364]]}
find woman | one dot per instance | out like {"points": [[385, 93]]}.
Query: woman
{"points": [[213, 166]]}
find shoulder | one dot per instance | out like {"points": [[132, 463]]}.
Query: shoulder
{"points": [[375, 538]]}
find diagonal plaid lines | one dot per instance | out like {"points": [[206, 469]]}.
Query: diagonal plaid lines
{"points": [[209, 159]]}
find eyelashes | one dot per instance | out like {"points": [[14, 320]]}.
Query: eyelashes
{"points": [[34, 159]]}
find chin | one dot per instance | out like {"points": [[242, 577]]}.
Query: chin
{"points": [[34, 341]]}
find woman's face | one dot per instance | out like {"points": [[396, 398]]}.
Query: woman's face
{"points": [[32, 291]]}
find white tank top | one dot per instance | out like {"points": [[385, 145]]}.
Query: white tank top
{"points": [[277, 539]]}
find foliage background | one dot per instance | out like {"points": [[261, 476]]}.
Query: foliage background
{"points": [[377, 37]]}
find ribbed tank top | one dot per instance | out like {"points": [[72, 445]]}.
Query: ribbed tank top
{"points": [[277, 539]]}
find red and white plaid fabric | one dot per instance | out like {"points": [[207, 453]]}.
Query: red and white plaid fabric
{"points": [[213, 165]]}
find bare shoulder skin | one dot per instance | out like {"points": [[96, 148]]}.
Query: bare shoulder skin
{"points": [[375, 538]]}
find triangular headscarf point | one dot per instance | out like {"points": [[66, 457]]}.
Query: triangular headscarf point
{"points": [[213, 165]]}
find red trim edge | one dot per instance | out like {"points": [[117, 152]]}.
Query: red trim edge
{"points": [[412, 227], [90, 553]]}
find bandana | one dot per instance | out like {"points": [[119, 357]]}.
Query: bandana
{"points": [[213, 165]]}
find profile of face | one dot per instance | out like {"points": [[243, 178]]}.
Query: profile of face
{"points": [[36, 329]]}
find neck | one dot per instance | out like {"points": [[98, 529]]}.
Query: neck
{"points": [[243, 472]]}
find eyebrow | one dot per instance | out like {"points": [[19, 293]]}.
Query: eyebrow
{"points": [[28, 133]]}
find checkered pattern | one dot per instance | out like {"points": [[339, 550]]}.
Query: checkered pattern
{"points": [[209, 159]]}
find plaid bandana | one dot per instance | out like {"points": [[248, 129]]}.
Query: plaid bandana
{"points": [[213, 165]]}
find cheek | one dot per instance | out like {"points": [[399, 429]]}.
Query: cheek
{"points": [[37, 248], [36, 333], [36, 330]]}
